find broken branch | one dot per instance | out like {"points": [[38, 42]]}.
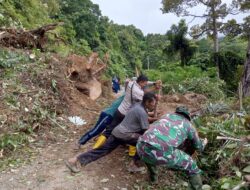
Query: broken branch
{"points": [[227, 138]]}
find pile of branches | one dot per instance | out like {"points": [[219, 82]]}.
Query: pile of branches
{"points": [[20, 38], [226, 159]]}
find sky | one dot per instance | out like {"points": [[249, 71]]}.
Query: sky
{"points": [[146, 14]]}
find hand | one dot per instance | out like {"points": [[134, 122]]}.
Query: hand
{"points": [[158, 84], [160, 113], [158, 97], [151, 114], [152, 119]]}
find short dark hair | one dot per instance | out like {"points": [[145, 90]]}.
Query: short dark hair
{"points": [[149, 96], [142, 78]]}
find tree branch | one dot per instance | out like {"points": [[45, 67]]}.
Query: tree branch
{"points": [[197, 16], [200, 34], [234, 13], [202, 2], [191, 20]]}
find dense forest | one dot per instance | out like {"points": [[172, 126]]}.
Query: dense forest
{"points": [[85, 29], [210, 59]]}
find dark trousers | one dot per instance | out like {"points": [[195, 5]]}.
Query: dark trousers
{"points": [[103, 121], [111, 144], [117, 119]]}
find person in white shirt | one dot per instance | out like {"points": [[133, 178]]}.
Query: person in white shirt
{"points": [[134, 93]]}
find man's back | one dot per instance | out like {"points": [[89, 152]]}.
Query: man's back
{"points": [[131, 97], [171, 129], [135, 121]]}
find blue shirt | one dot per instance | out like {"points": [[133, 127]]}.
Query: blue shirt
{"points": [[114, 106]]}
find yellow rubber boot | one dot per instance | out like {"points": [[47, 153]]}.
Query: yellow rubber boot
{"points": [[131, 150], [100, 141]]}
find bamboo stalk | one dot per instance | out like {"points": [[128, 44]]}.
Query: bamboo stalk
{"points": [[239, 186], [55, 122], [156, 103], [240, 95], [227, 138]]}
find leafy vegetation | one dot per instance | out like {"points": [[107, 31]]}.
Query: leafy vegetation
{"points": [[9, 59], [224, 159], [26, 107], [183, 64]]}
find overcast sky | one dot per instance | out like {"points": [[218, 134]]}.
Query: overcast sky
{"points": [[145, 14]]}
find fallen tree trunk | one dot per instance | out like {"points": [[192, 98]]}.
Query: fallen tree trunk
{"points": [[19, 38]]}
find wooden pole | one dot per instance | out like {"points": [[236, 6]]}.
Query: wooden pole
{"points": [[227, 138], [156, 103], [240, 96]]}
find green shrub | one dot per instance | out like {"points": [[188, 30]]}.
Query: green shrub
{"points": [[228, 65], [223, 161], [12, 141], [204, 85], [202, 60], [246, 104], [190, 78], [10, 58]]}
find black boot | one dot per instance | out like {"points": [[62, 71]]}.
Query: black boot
{"points": [[195, 182], [153, 173]]}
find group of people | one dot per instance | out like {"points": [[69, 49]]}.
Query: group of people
{"points": [[159, 141]]}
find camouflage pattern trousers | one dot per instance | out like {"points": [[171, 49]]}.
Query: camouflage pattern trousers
{"points": [[170, 157]]}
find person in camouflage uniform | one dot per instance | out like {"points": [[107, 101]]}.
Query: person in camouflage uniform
{"points": [[159, 145]]}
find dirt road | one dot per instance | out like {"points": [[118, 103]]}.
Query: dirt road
{"points": [[48, 172]]}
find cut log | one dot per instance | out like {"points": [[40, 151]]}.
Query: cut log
{"points": [[95, 88], [92, 88]]}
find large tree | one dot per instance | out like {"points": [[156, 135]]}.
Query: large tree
{"points": [[85, 19], [215, 11], [179, 43], [246, 75], [154, 57], [245, 6], [232, 29]]}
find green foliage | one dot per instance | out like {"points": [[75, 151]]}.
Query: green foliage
{"points": [[189, 79], [213, 89], [12, 141], [235, 45], [23, 13], [154, 56], [202, 60], [10, 59], [204, 45], [87, 30], [84, 17], [246, 104], [229, 62], [179, 43], [81, 47], [117, 65], [223, 161]]}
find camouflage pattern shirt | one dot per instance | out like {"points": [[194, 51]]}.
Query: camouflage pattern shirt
{"points": [[171, 131]]}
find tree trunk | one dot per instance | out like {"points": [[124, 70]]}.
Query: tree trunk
{"points": [[246, 75], [215, 41]]}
